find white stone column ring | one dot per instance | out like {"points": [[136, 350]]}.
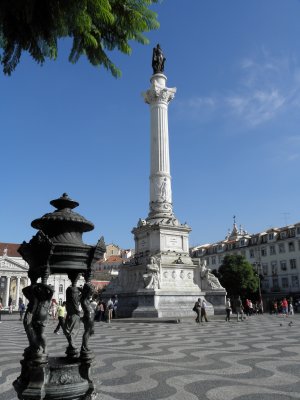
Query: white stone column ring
{"points": [[158, 97]]}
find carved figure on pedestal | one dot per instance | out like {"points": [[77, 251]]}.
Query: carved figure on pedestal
{"points": [[210, 281], [151, 278], [158, 60], [36, 316], [37, 253], [40, 317], [88, 315], [27, 320], [72, 323]]}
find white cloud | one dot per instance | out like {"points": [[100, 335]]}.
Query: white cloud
{"points": [[257, 106], [265, 88]]}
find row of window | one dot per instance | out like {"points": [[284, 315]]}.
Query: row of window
{"points": [[289, 233], [283, 264], [280, 248], [285, 282]]}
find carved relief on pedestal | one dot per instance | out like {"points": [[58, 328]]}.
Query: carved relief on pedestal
{"points": [[152, 276], [161, 189], [209, 280], [67, 376]]}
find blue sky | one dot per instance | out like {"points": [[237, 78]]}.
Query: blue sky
{"points": [[233, 125]]}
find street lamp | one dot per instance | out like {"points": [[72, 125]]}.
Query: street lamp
{"points": [[257, 266]]}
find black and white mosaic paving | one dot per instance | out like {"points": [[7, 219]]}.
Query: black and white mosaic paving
{"points": [[257, 359]]}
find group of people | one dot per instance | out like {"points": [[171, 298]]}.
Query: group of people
{"points": [[200, 309], [105, 311], [282, 307], [242, 309]]}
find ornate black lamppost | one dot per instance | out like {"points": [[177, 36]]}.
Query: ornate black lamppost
{"points": [[58, 248]]}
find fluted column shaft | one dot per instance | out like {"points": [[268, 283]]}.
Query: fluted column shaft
{"points": [[158, 97]]}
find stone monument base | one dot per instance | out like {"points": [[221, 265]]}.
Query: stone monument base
{"points": [[58, 378], [159, 304], [217, 298]]}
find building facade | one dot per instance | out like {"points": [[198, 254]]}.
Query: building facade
{"points": [[14, 277], [112, 250], [109, 267], [274, 254]]}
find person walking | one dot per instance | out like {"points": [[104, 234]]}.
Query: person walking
{"points": [[53, 308], [102, 308], [203, 311], [61, 311], [10, 305], [1, 308], [21, 310], [99, 314], [228, 309], [9, 301], [251, 310], [285, 307], [239, 309], [197, 309], [109, 307], [115, 306]]}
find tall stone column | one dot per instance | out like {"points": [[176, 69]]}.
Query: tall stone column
{"points": [[162, 280], [7, 290], [159, 97], [18, 291]]}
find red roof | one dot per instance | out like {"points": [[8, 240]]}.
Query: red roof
{"points": [[111, 259], [100, 284], [12, 249]]}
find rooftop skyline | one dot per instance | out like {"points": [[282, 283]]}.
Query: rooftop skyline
{"points": [[233, 127]]}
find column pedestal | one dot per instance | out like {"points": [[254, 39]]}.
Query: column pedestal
{"points": [[58, 378]]}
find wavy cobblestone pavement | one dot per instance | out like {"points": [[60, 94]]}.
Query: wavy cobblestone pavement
{"points": [[257, 359]]}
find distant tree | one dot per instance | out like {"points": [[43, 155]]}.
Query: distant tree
{"points": [[95, 26], [237, 276]]}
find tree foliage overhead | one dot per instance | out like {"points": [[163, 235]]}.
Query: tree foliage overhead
{"points": [[237, 276], [95, 27]]}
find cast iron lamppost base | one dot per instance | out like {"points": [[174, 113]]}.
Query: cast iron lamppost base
{"points": [[58, 248]]}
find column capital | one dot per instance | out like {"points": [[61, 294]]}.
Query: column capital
{"points": [[159, 93]]}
